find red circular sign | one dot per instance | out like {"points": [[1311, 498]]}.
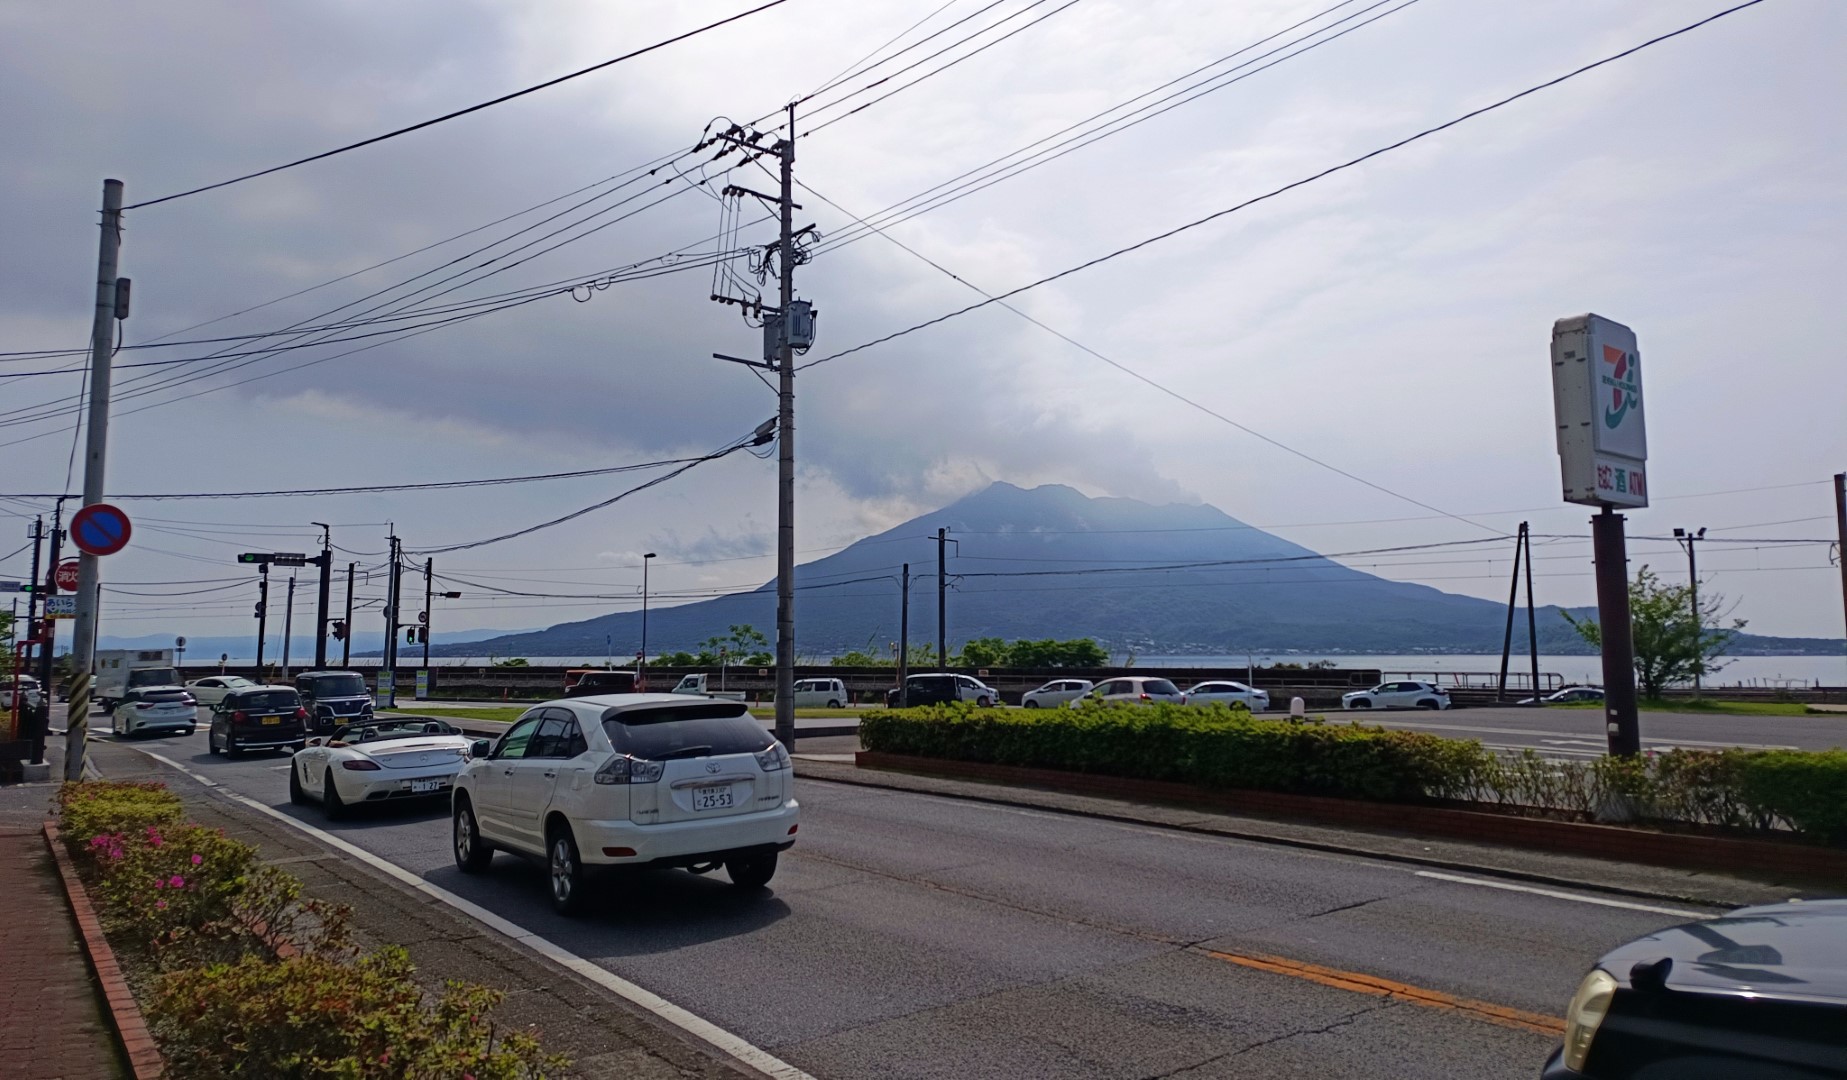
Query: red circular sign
{"points": [[99, 529], [66, 577]]}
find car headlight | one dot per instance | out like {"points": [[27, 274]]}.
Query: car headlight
{"points": [[1585, 1014]]}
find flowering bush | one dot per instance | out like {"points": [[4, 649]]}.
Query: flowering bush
{"points": [[97, 807], [312, 1017]]}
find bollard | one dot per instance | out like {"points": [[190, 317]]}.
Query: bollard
{"points": [[1297, 708]]}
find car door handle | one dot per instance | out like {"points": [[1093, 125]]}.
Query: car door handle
{"points": [[553, 775], [506, 772]]}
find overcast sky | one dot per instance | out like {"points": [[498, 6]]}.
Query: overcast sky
{"points": [[1391, 321]]}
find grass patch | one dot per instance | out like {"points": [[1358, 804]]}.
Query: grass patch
{"points": [[1706, 705]]}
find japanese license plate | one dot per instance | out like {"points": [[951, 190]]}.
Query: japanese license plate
{"points": [[272, 720], [419, 787], [714, 797]]}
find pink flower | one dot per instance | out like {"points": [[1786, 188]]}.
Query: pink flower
{"points": [[176, 882], [159, 883], [197, 859], [160, 905]]}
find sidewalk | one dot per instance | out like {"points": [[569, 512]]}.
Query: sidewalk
{"points": [[53, 1025]]}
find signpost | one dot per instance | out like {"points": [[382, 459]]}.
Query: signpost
{"points": [[60, 607], [65, 577], [423, 683], [1603, 460], [100, 529]]}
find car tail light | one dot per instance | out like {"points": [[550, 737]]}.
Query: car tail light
{"points": [[1145, 697], [240, 717], [360, 765], [624, 769], [774, 759], [301, 713]]}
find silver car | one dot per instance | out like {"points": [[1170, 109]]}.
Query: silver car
{"points": [[1057, 692], [1136, 690]]}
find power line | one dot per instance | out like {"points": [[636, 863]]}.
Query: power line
{"points": [[462, 112], [856, 67]]}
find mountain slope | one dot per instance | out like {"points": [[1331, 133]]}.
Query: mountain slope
{"points": [[1011, 569]]}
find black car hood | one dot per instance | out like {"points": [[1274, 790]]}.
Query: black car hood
{"points": [[1790, 952]]}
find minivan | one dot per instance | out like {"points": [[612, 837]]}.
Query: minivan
{"points": [[820, 694]]}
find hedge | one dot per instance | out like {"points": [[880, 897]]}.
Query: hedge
{"points": [[1225, 747]]}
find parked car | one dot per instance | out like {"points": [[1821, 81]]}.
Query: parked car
{"points": [[1567, 695], [373, 760], [1759, 993], [642, 780], [1398, 695], [155, 710], [257, 718], [701, 684], [1135, 689], [211, 690], [581, 683], [820, 694], [28, 689], [937, 687], [1226, 692], [333, 698], [1055, 693]]}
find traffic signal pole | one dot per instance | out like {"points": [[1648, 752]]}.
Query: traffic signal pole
{"points": [[262, 615], [325, 562], [346, 638], [89, 571]]}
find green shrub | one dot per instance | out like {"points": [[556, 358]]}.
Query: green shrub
{"points": [[1806, 789], [312, 1017], [94, 807]]}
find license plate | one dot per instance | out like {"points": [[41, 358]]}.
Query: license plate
{"points": [[418, 787], [716, 797], [272, 720]]}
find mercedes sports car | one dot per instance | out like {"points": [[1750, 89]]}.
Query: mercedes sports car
{"points": [[388, 758]]}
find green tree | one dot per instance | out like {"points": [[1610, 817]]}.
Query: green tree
{"points": [[512, 661], [983, 652], [676, 659], [1048, 653], [744, 645], [1670, 646]]}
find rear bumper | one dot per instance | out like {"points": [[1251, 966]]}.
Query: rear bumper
{"points": [[677, 843], [138, 725], [262, 738], [389, 784]]}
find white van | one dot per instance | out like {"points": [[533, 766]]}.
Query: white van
{"points": [[820, 694]]}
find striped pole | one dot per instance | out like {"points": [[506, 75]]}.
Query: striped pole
{"points": [[77, 722]]}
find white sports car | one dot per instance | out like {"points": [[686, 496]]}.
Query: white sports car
{"points": [[392, 757]]}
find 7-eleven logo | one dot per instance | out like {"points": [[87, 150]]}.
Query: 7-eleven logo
{"points": [[1625, 388]]}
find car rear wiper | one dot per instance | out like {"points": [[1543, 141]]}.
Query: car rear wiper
{"points": [[684, 752]]}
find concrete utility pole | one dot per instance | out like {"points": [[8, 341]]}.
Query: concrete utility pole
{"points": [[1687, 538], [942, 610], [785, 456], [1513, 598], [325, 562], [89, 576], [288, 628], [346, 643], [262, 616], [1840, 525], [394, 587], [1611, 551], [429, 615], [41, 632], [904, 631], [642, 665]]}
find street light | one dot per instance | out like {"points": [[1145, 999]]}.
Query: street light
{"points": [[642, 663], [1687, 540]]}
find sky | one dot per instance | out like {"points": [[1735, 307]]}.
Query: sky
{"points": [[1357, 363]]}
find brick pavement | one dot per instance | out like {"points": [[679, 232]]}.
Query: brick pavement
{"points": [[53, 1024]]}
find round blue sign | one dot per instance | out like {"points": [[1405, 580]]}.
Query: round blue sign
{"points": [[100, 529]]}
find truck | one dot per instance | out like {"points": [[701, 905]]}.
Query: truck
{"points": [[696, 684], [120, 670]]}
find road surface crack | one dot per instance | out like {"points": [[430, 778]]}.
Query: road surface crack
{"points": [[1333, 1025]]}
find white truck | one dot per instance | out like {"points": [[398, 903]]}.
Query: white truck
{"points": [[120, 670], [696, 684]]}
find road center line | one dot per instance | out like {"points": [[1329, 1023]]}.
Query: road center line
{"points": [[1559, 894], [738, 1048], [1359, 983]]}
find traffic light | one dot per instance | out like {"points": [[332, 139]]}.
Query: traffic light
{"points": [[410, 635], [253, 557], [259, 613], [339, 629]]}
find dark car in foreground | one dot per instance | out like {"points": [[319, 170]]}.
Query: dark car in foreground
{"points": [[1759, 994], [260, 718]]}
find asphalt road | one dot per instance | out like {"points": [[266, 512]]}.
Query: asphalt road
{"points": [[916, 936]]}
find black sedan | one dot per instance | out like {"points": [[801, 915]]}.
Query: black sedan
{"points": [[1759, 994]]}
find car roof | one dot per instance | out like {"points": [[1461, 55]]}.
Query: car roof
{"points": [[264, 686], [328, 671], [600, 704]]}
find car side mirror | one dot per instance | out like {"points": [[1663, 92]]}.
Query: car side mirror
{"points": [[480, 748]]}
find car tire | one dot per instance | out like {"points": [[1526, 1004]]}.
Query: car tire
{"points": [[231, 749], [187, 733], [564, 871], [332, 804], [984, 702], [1029, 704], [211, 744], [297, 796], [1429, 703], [751, 872], [472, 853], [833, 704], [1360, 703]]}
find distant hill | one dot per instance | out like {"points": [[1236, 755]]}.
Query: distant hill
{"points": [[1052, 562]]}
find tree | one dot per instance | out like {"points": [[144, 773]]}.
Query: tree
{"points": [[676, 659], [1670, 647], [512, 661], [986, 652], [745, 645]]}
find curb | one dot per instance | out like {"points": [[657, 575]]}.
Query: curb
{"points": [[131, 1028], [1000, 798]]}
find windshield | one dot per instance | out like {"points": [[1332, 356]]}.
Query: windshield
{"points": [[699, 731], [330, 686], [411, 727], [153, 676]]}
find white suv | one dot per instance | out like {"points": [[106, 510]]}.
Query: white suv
{"points": [[1398, 695], [628, 780]]}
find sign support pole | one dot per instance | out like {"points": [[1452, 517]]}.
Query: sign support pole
{"points": [[89, 581], [1611, 551]]}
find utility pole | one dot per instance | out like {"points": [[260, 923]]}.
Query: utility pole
{"points": [[346, 643], [1513, 595], [942, 611], [1840, 525], [642, 665], [429, 615], [785, 456], [288, 628], [904, 631], [262, 616], [1687, 538], [325, 562], [1611, 552], [1532, 618], [394, 587], [111, 304]]}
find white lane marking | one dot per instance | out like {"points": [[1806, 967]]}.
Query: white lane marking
{"points": [[1559, 894], [738, 1048]]}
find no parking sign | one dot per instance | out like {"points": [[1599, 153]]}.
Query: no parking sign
{"points": [[100, 529]]}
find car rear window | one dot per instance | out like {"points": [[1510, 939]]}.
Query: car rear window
{"points": [[161, 695], [336, 685], [266, 700], [687, 731], [1159, 686]]}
